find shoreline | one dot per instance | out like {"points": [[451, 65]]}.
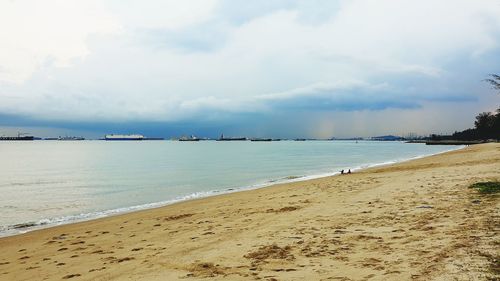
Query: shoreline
{"points": [[416, 220], [27, 227]]}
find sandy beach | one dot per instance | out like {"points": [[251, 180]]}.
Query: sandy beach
{"points": [[416, 220]]}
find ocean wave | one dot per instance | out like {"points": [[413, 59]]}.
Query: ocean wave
{"points": [[24, 227]]}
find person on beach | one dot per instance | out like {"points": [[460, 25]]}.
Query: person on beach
{"points": [[342, 172], [349, 171]]}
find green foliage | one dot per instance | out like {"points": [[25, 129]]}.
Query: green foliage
{"points": [[486, 126], [488, 123], [489, 187], [494, 81]]}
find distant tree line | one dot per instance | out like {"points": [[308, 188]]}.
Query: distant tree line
{"points": [[486, 126]]}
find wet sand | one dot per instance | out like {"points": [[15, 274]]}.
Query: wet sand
{"points": [[416, 220]]}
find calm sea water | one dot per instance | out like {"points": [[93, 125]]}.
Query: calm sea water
{"points": [[53, 182]]}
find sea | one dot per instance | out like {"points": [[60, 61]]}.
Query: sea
{"points": [[47, 183]]}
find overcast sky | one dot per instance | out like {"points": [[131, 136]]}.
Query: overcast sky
{"points": [[272, 68]]}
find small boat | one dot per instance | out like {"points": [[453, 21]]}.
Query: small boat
{"points": [[191, 138]]}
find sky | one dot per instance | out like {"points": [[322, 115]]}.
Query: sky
{"points": [[262, 68]]}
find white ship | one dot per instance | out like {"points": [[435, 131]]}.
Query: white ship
{"points": [[123, 137]]}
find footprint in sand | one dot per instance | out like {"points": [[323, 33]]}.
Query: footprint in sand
{"points": [[71, 276], [97, 269], [32, 267]]}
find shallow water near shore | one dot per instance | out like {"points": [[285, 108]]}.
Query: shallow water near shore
{"points": [[45, 183]]}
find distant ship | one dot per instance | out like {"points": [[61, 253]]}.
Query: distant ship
{"points": [[191, 138], [66, 138], [123, 137], [222, 138], [259, 139], [19, 137]]}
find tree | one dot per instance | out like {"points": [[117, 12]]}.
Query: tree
{"points": [[496, 125], [494, 81], [484, 120], [486, 124]]}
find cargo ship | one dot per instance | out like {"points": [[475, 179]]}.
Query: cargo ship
{"points": [[222, 138], [66, 138], [123, 137], [19, 137], [260, 139]]}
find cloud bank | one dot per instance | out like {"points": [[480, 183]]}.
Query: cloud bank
{"points": [[246, 64]]}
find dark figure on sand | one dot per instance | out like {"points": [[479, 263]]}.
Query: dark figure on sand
{"points": [[342, 172]]}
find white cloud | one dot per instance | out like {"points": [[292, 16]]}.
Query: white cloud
{"points": [[161, 14], [54, 32], [261, 57], [415, 30]]}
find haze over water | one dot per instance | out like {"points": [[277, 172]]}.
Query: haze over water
{"points": [[51, 182]]}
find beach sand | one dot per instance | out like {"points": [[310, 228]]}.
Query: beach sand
{"points": [[416, 220]]}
